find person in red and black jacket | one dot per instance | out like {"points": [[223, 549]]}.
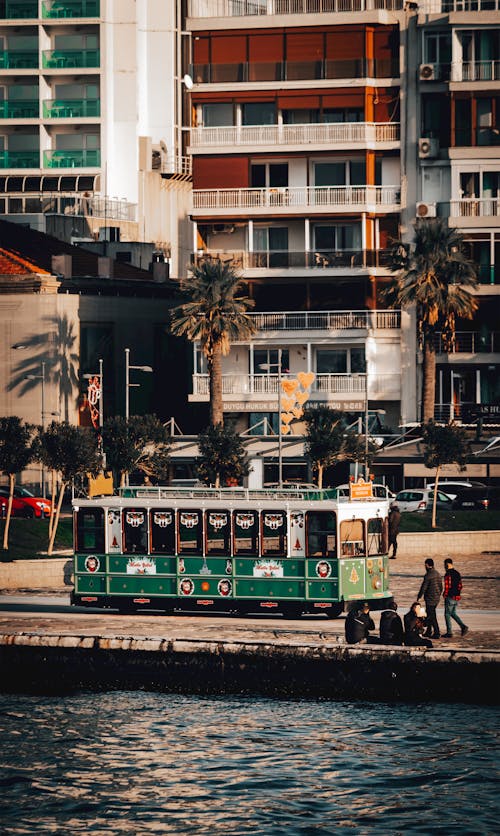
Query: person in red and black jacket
{"points": [[451, 595]]}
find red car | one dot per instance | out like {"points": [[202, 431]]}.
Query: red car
{"points": [[24, 503]]}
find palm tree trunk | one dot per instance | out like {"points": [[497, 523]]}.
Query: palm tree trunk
{"points": [[12, 476], [429, 381], [215, 379], [56, 519], [434, 501], [320, 475]]}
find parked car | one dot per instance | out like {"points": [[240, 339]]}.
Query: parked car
{"points": [[467, 496], [24, 503], [421, 499], [380, 491]]}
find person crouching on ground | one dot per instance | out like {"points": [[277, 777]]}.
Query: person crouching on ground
{"points": [[451, 595], [430, 590], [414, 627], [391, 626], [358, 624]]}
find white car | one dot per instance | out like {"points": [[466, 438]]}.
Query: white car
{"points": [[421, 499], [452, 488]]}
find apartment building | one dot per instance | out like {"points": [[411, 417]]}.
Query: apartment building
{"points": [[90, 126], [459, 178], [296, 142]]}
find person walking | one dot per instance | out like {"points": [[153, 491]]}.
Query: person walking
{"points": [[358, 624], [414, 628], [451, 594], [391, 626], [430, 590], [394, 523]]}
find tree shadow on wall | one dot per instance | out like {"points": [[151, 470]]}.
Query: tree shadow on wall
{"points": [[54, 347]]}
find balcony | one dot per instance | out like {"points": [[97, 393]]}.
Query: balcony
{"points": [[70, 58], [346, 135], [19, 9], [71, 108], [474, 208], [251, 8], [70, 8], [19, 109], [380, 386], [429, 7], [312, 260], [327, 320], [461, 71], [19, 59], [19, 159], [489, 274], [296, 200], [323, 70], [471, 342], [81, 158], [70, 203]]}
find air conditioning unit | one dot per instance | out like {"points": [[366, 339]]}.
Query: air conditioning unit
{"points": [[426, 210], [428, 72], [428, 148]]}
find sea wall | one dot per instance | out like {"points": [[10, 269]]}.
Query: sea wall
{"points": [[36, 663], [439, 543]]}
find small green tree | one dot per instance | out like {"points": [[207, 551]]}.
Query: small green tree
{"points": [[141, 443], [71, 452], [17, 450], [223, 459], [327, 440], [444, 444]]}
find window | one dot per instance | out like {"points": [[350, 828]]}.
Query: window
{"points": [[321, 534], [269, 357], [245, 532], [219, 114], [300, 117], [337, 237], [135, 530], [341, 360], [350, 173], [162, 524], [218, 528], [258, 113], [272, 243], [352, 538], [90, 530], [377, 536], [343, 114], [437, 48], [189, 532], [273, 525], [263, 423], [269, 175]]}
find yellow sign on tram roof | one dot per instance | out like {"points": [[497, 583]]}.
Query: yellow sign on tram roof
{"points": [[360, 489]]}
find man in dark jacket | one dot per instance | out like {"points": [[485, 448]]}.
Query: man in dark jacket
{"points": [[430, 590], [358, 624], [394, 522], [451, 595], [391, 626]]}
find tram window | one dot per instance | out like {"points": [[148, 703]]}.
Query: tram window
{"points": [[377, 536], [135, 529], [245, 532], [218, 528], [189, 532], [90, 530], [352, 538], [274, 533], [162, 530], [321, 534]]}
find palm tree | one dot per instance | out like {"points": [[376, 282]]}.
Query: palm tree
{"points": [[435, 275], [215, 316]]}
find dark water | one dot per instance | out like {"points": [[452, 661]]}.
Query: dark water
{"points": [[140, 763]]}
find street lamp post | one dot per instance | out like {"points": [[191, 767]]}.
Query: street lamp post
{"points": [[367, 468], [266, 367], [128, 367]]}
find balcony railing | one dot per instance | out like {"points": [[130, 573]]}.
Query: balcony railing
{"points": [[463, 71], [430, 7], [19, 59], [83, 158], [489, 274], [69, 203], [327, 133], [342, 198], [471, 342], [20, 159], [472, 207], [327, 320], [70, 8], [383, 385], [70, 58], [294, 71], [19, 109], [250, 8], [317, 260], [71, 108], [18, 9]]}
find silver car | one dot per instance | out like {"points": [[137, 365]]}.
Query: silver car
{"points": [[421, 499]]}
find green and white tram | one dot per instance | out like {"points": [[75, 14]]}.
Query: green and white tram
{"points": [[231, 549]]}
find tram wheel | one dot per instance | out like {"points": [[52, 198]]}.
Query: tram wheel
{"points": [[335, 610], [291, 610]]}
